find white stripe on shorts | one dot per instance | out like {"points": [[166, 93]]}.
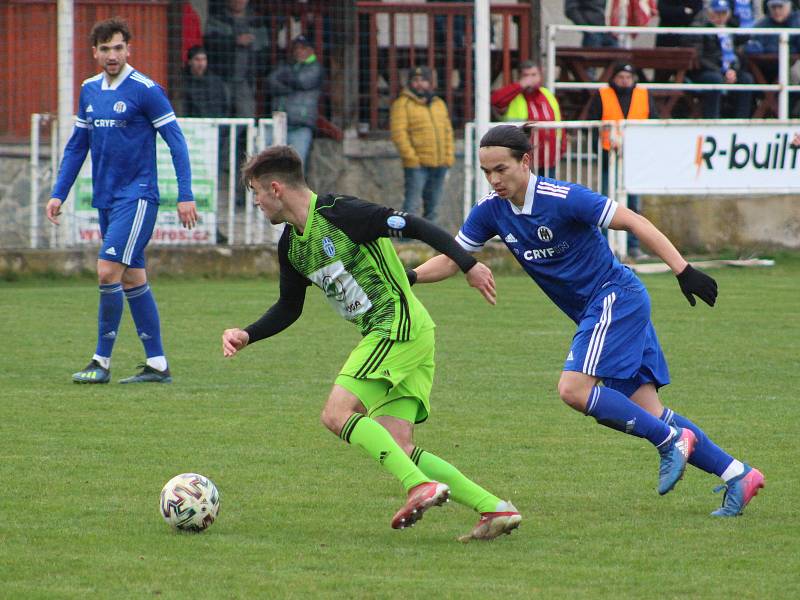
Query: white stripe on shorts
{"points": [[136, 228], [595, 348]]}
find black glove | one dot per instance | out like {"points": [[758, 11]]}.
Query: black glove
{"points": [[696, 282], [412, 276]]}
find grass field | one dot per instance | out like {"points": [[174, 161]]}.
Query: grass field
{"points": [[303, 515]]}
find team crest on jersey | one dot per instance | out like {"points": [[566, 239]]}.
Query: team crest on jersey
{"points": [[544, 233], [396, 222], [333, 288], [119, 107], [328, 247]]}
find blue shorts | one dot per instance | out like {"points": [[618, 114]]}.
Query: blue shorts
{"points": [[616, 341], [126, 228]]}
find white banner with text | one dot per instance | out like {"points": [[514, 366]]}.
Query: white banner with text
{"points": [[202, 140], [695, 158]]}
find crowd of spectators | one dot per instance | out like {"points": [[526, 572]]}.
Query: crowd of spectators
{"points": [[227, 70], [230, 68], [723, 58]]}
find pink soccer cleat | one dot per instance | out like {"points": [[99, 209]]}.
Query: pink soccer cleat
{"points": [[420, 498]]}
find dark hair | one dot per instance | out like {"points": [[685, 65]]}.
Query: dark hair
{"points": [[529, 64], [105, 30], [194, 51], [516, 139], [280, 162]]}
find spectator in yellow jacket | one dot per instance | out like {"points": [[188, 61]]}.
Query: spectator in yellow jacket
{"points": [[423, 134]]}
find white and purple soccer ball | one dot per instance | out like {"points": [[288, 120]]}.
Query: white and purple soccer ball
{"points": [[190, 502]]}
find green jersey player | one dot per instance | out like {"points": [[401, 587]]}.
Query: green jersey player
{"points": [[341, 244]]}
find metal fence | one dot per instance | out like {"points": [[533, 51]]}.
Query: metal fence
{"points": [[782, 87]]}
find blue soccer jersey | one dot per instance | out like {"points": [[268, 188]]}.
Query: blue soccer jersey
{"points": [[118, 122], [556, 238]]}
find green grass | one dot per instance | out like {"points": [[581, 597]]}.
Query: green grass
{"points": [[304, 515]]}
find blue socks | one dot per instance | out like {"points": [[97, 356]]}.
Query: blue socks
{"points": [[109, 314], [707, 455], [617, 411], [145, 315]]}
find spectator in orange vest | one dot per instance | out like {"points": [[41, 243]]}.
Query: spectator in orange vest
{"points": [[622, 100], [528, 100]]}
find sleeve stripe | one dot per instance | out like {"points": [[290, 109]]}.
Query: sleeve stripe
{"points": [[142, 79], [81, 124], [466, 243], [608, 213], [168, 118]]}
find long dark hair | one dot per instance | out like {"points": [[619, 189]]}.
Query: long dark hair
{"points": [[516, 139]]}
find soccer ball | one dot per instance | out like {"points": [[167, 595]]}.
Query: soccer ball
{"points": [[190, 502]]}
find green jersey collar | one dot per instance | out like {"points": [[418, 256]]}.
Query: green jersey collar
{"points": [[312, 206]]}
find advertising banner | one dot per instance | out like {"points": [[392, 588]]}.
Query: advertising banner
{"points": [[202, 140], [694, 158]]}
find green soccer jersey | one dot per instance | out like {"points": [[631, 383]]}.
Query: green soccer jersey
{"points": [[345, 251]]}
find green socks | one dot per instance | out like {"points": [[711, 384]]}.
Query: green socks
{"points": [[420, 468], [462, 490], [380, 445]]}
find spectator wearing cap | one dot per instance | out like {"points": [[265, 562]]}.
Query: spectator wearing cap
{"points": [[765, 6], [235, 39], [296, 88], [204, 94], [779, 14], [423, 134], [622, 100], [719, 63], [528, 100]]}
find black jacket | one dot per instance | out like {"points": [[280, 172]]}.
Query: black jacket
{"points": [[586, 12], [220, 43], [673, 13], [205, 96]]}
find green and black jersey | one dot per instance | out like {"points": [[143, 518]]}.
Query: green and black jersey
{"points": [[345, 251]]}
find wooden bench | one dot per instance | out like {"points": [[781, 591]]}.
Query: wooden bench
{"points": [[576, 64]]}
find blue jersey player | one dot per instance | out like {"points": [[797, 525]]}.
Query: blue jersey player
{"points": [[119, 112], [553, 230]]}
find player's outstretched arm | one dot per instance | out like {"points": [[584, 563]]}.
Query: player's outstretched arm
{"points": [[436, 269], [693, 282], [53, 210], [453, 257], [233, 340]]}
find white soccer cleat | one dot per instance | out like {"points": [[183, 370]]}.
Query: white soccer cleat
{"points": [[494, 524]]}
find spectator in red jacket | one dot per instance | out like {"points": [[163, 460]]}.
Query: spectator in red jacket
{"points": [[527, 100]]}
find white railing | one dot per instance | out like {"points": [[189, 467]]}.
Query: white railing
{"points": [[782, 87], [247, 228], [581, 162], [665, 157]]}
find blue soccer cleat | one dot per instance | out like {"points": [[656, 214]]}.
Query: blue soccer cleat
{"points": [[149, 375], [738, 492], [674, 456], [93, 373]]}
